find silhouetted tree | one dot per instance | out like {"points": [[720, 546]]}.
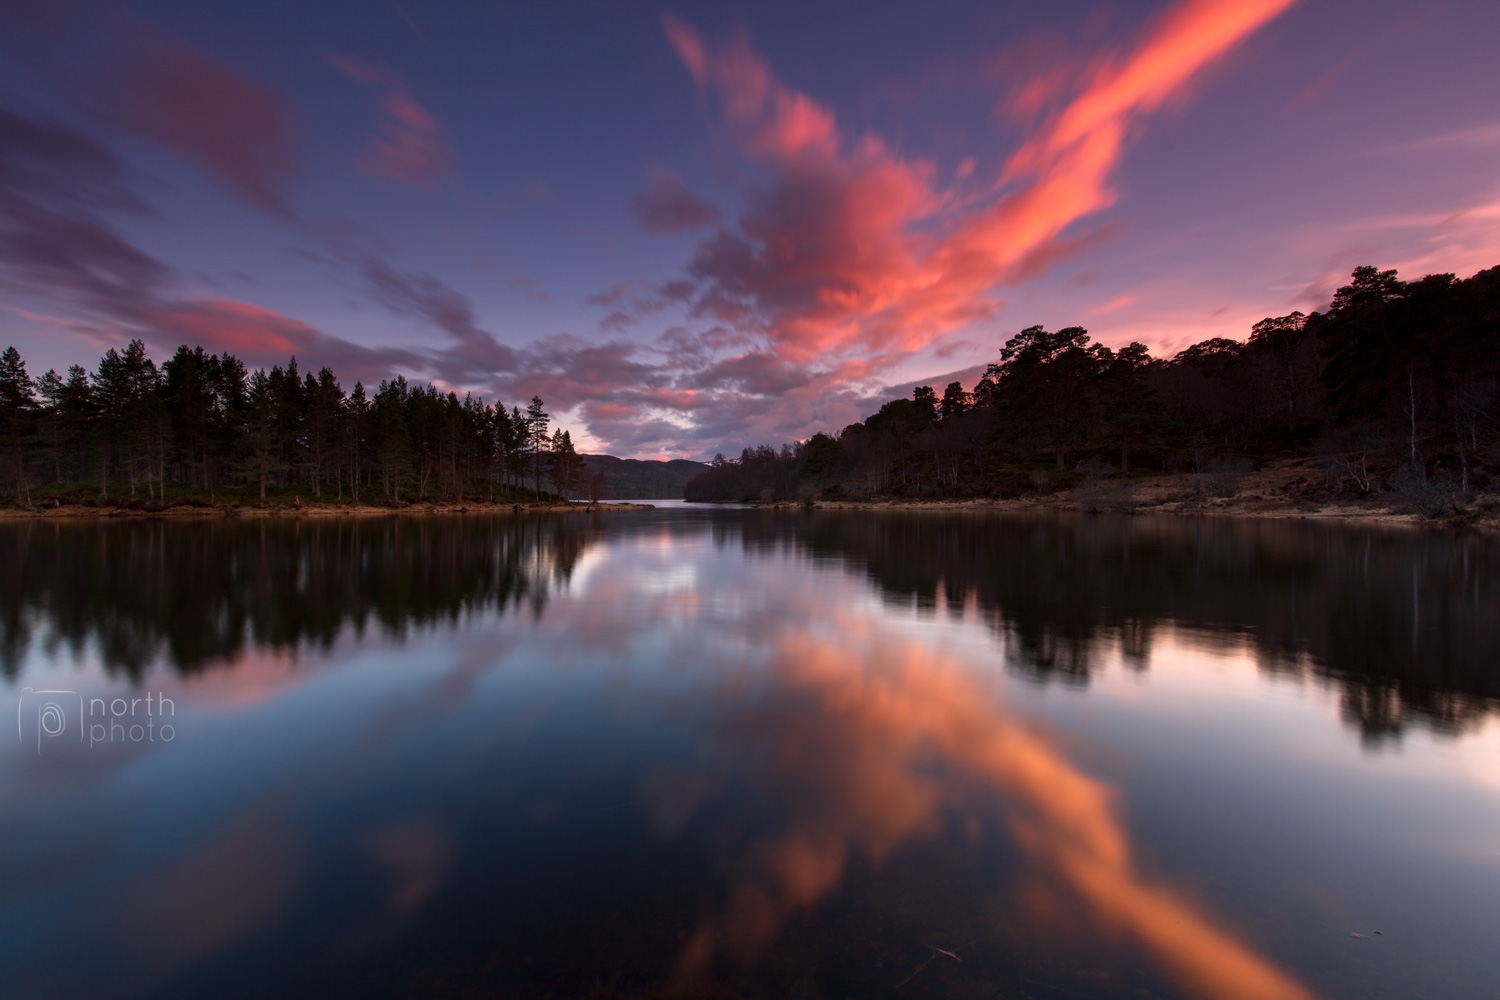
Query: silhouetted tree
{"points": [[536, 430], [1392, 371], [566, 465], [16, 409], [1045, 385]]}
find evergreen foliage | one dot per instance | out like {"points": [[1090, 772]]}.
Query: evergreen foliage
{"points": [[1395, 386]]}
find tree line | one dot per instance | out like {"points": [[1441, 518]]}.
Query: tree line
{"points": [[202, 423], [1394, 383]]}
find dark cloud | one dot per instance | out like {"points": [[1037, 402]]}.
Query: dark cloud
{"points": [[425, 296], [757, 373], [53, 181], [628, 302], [676, 395], [679, 290], [668, 205], [573, 371], [49, 159], [263, 337], [56, 241]]}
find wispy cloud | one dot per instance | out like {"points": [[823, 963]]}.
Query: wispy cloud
{"points": [[1119, 302], [852, 248], [1474, 137], [668, 205], [136, 78], [412, 146]]}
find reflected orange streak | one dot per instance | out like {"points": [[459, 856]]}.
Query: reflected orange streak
{"points": [[1199, 954], [855, 771]]}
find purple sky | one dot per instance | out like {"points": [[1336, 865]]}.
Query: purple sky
{"points": [[699, 227]]}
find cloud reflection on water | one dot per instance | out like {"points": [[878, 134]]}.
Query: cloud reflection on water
{"points": [[864, 742], [797, 701]]}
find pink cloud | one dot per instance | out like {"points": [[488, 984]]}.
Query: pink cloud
{"points": [[226, 123], [263, 337], [851, 247], [135, 77], [1120, 302], [412, 146]]}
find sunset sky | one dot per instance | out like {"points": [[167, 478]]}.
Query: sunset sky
{"points": [[696, 227]]}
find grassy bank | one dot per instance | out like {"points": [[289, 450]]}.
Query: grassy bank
{"points": [[1295, 489], [78, 500]]}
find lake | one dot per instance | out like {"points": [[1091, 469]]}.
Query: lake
{"points": [[749, 753]]}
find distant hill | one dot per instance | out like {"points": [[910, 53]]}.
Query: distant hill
{"points": [[638, 479]]}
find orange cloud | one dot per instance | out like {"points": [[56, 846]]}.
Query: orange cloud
{"points": [[852, 247], [1067, 163]]}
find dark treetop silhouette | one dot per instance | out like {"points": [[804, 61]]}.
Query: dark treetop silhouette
{"points": [[1396, 381], [1405, 624], [129, 429]]}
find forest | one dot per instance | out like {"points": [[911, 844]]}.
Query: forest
{"points": [[201, 426], [1393, 389]]}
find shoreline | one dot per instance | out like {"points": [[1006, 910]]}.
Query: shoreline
{"points": [[1280, 491], [1293, 490], [232, 511], [1062, 505], [1057, 504]]}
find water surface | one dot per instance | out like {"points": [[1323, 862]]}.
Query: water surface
{"points": [[749, 753]]}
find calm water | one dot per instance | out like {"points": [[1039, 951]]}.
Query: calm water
{"points": [[739, 753]]}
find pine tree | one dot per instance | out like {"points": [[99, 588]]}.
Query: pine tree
{"points": [[17, 409], [536, 428]]}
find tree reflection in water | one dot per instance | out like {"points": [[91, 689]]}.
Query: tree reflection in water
{"points": [[1405, 622], [197, 593], [714, 761]]}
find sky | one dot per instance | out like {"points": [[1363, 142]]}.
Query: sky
{"points": [[698, 227]]}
